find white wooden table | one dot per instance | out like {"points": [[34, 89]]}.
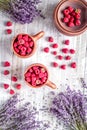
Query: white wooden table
{"points": [[40, 97]]}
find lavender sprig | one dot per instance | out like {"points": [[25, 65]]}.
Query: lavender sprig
{"points": [[15, 118], [70, 107], [22, 11]]}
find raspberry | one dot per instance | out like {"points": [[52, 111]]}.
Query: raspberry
{"points": [[23, 49], [73, 65], [46, 49], [68, 57], [72, 19], [65, 50], [65, 20], [72, 51], [16, 49], [9, 23], [68, 16], [18, 86], [29, 50], [77, 16], [12, 91], [13, 78], [6, 72], [50, 39], [55, 45], [9, 31], [54, 52], [77, 22], [31, 44], [6, 86], [25, 38], [67, 42], [71, 24], [15, 44], [73, 13], [60, 57], [21, 41], [55, 64], [63, 67], [70, 9], [66, 11], [19, 37], [6, 64]]}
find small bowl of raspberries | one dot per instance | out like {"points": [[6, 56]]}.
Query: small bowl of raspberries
{"points": [[70, 17]]}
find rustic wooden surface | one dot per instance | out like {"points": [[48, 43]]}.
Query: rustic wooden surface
{"points": [[40, 97]]}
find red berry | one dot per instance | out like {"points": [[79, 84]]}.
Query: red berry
{"points": [[67, 42], [50, 39], [68, 57], [21, 41], [70, 9], [9, 31], [19, 37], [65, 20], [9, 23], [73, 65], [12, 91], [63, 67], [6, 72], [71, 24], [68, 16], [60, 57], [54, 52], [16, 49], [73, 13], [6, 86], [77, 22], [66, 11], [6, 64], [13, 78], [55, 45], [25, 38], [46, 49], [55, 64], [31, 44], [77, 16], [65, 50], [72, 51], [18, 86], [23, 49], [72, 19]]}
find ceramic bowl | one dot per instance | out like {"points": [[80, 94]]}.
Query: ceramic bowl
{"points": [[58, 16]]}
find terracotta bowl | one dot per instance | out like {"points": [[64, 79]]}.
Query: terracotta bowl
{"points": [[33, 38], [48, 83], [58, 16]]}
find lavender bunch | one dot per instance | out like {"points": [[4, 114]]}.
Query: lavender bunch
{"points": [[70, 108], [22, 11], [14, 118]]}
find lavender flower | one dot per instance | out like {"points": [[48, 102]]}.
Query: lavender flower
{"points": [[15, 118], [70, 107], [22, 11]]}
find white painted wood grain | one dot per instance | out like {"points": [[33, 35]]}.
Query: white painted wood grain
{"points": [[40, 97]]}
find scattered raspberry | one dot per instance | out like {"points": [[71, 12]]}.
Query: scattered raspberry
{"points": [[77, 22], [6, 64], [55, 45], [70, 9], [13, 78], [9, 31], [55, 64], [66, 12], [18, 86], [67, 42], [68, 57], [46, 49], [12, 91], [9, 23], [50, 39], [6, 72], [63, 67], [72, 51], [71, 24], [54, 52], [6, 86], [60, 57], [65, 50], [73, 65], [77, 16]]}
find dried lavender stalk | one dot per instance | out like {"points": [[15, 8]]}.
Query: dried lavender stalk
{"points": [[70, 107]]}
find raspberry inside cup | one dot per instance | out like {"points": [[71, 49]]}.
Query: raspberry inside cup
{"points": [[23, 45], [36, 76]]}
